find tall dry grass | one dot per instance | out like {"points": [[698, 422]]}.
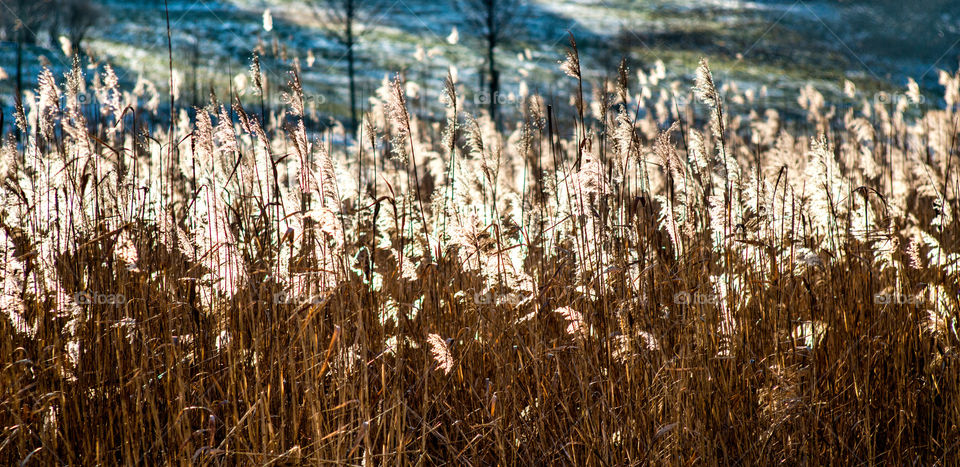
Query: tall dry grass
{"points": [[648, 275]]}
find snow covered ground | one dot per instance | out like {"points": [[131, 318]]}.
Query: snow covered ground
{"points": [[782, 45]]}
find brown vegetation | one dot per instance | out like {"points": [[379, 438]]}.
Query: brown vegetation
{"points": [[648, 282]]}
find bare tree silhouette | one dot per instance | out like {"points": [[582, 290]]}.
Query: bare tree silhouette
{"points": [[347, 21], [493, 21], [20, 20]]}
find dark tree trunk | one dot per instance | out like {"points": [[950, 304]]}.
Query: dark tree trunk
{"points": [[19, 85], [351, 67], [493, 37], [351, 70], [494, 78], [494, 83]]}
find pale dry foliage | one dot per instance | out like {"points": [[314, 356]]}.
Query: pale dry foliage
{"points": [[632, 286]]}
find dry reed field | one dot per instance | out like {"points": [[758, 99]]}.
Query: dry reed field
{"points": [[653, 272]]}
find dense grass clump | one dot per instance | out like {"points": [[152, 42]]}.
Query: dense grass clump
{"points": [[627, 280]]}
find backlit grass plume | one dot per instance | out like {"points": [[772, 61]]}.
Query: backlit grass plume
{"points": [[652, 283]]}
